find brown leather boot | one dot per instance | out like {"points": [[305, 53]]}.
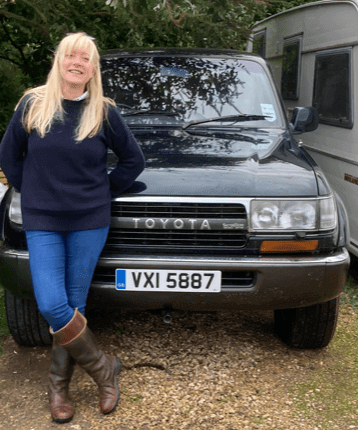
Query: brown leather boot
{"points": [[60, 376], [79, 342]]}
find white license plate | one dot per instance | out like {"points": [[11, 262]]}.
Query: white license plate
{"points": [[193, 281]]}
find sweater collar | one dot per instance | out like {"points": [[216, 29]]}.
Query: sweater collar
{"points": [[81, 97]]}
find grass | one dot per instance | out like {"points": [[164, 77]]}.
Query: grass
{"points": [[350, 293], [329, 395]]}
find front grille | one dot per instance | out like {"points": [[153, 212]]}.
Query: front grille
{"points": [[159, 239], [229, 279], [177, 210]]}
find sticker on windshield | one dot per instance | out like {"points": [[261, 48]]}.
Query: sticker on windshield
{"points": [[268, 111], [174, 71]]}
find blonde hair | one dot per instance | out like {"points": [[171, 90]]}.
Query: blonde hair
{"points": [[46, 101]]}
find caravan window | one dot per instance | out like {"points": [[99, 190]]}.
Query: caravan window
{"points": [[259, 43], [291, 67], [332, 88]]}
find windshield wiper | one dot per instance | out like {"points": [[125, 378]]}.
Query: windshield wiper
{"points": [[150, 112], [123, 105], [235, 118]]}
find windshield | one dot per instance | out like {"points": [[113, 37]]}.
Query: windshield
{"points": [[177, 90]]}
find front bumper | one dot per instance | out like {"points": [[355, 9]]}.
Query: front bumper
{"points": [[277, 282]]}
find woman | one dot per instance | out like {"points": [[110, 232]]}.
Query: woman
{"points": [[54, 151]]}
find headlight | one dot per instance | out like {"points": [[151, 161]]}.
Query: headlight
{"points": [[319, 214], [15, 214]]}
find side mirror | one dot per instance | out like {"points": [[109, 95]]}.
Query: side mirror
{"points": [[304, 119]]}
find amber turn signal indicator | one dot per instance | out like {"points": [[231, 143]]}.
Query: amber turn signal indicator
{"points": [[288, 245]]}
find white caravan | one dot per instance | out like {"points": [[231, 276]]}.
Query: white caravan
{"points": [[313, 52]]}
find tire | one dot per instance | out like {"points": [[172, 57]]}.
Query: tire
{"points": [[308, 327], [27, 326]]}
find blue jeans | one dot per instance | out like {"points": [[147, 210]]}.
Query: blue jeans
{"points": [[62, 266]]}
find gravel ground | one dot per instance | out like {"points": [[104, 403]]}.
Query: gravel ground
{"points": [[217, 371]]}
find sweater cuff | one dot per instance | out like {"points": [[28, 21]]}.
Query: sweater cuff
{"points": [[135, 188]]}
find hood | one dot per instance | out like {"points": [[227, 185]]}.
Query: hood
{"points": [[226, 164]]}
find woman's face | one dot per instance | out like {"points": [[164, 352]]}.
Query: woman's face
{"points": [[76, 68]]}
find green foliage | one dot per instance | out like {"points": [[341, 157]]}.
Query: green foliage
{"points": [[11, 89], [277, 6], [200, 23], [29, 31], [350, 293]]}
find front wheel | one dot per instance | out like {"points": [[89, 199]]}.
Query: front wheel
{"points": [[27, 326], [308, 327]]}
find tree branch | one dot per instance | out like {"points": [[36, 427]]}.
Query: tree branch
{"points": [[11, 61], [181, 16], [18, 48], [21, 18], [41, 15], [73, 10]]}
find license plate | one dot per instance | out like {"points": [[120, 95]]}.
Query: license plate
{"points": [[192, 281]]}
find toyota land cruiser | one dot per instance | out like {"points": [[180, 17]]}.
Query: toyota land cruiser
{"points": [[230, 213]]}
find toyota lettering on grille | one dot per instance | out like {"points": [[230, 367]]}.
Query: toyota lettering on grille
{"points": [[179, 223]]}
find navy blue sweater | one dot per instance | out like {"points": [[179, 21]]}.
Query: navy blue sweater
{"points": [[64, 184]]}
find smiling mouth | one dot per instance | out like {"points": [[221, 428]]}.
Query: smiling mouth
{"points": [[76, 72]]}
